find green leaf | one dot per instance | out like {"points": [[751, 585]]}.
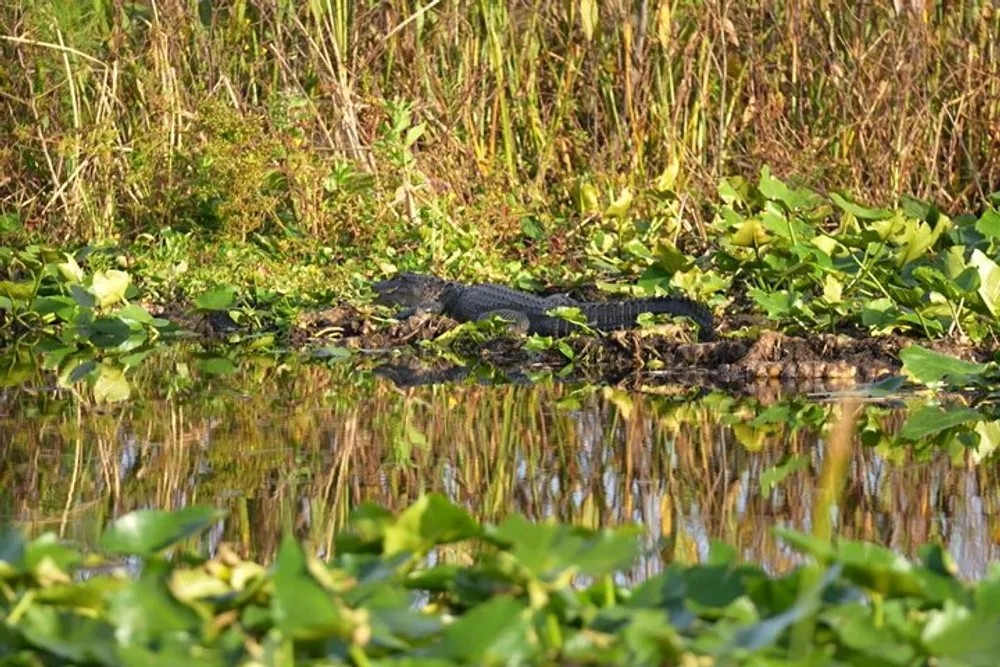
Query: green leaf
{"points": [[107, 332], [109, 287], [68, 636], [70, 270], [778, 305], [989, 279], [795, 199], [300, 606], [549, 550], [111, 385], [22, 290], [148, 532], [62, 306], [858, 211], [432, 520], [144, 610], [10, 223], [217, 365], [930, 420], [220, 298], [134, 312], [82, 297], [619, 207], [490, 634], [957, 637], [777, 474], [928, 366], [989, 223]]}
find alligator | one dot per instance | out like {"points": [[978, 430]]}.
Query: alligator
{"points": [[526, 312]]}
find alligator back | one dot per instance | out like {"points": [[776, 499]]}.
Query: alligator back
{"points": [[472, 302], [625, 314]]}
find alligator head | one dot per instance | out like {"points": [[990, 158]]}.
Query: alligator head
{"points": [[409, 289]]}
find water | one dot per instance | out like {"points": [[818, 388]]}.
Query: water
{"points": [[285, 444]]}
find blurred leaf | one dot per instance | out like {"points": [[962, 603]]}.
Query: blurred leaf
{"points": [[989, 223], [930, 420], [220, 298], [491, 633], [777, 474], [111, 385], [619, 207], [989, 281], [10, 223], [928, 366], [300, 606], [432, 520], [549, 550], [109, 287], [148, 532], [858, 211]]}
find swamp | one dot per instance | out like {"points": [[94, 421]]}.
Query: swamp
{"points": [[643, 332]]}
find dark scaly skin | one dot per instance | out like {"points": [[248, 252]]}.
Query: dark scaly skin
{"points": [[527, 312]]}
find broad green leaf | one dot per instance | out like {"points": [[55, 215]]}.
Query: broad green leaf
{"points": [[928, 366], [794, 199], [549, 550], [989, 279], [111, 385], [10, 222], [777, 474], [492, 633], [858, 211], [144, 611], [70, 270], [750, 234], [22, 290], [109, 287], [619, 207], [70, 637], [82, 297], [220, 298], [432, 520], [147, 532], [134, 312], [588, 199], [62, 306], [989, 223], [929, 420], [960, 638], [217, 365], [107, 332], [777, 304], [301, 607]]}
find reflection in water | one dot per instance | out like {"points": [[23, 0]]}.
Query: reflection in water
{"points": [[287, 445]]}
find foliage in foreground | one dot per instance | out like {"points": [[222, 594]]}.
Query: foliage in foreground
{"points": [[432, 586]]}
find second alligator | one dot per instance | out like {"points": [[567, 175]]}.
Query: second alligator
{"points": [[528, 313]]}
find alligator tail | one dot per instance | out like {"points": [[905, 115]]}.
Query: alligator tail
{"points": [[624, 314]]}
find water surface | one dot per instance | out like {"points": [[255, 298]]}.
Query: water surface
{"points": [[285, 443]]}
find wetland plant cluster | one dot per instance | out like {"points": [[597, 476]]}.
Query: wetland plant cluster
{"points": [[432, 586]]}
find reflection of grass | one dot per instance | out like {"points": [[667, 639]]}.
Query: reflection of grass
{"points": [[311, 447]]}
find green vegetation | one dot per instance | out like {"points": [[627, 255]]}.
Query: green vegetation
{"points": [[293, 152], [514, 593], [234, 167]]}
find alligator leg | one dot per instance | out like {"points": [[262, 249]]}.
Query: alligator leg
{"points": [[518, 322], [432, 308]]}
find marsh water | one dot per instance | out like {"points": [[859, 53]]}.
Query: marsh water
{"points": [[287, 443]]}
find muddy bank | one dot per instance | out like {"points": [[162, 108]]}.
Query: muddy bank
{"points": [[667, 353]]}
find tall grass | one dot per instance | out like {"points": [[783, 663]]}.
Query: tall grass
{"points": [[118, 118]]}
